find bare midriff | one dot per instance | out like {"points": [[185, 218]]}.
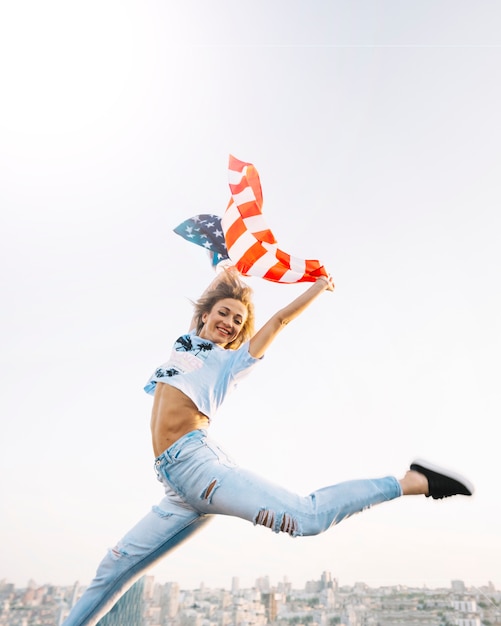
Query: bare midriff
{"points": [[173, 415]]}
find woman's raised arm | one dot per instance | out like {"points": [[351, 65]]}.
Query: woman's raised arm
{"points": [[265, 336]]}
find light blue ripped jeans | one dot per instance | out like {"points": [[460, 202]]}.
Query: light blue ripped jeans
{"points": [[199, 481]]}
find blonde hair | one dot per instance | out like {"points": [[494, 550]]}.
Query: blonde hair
{"points": [[228, 286]]}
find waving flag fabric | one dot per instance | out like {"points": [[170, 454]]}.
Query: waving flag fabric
{"points": [[251, 245], [243, 236]]}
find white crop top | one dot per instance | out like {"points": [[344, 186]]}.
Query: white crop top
{"points": [[203, 371]]}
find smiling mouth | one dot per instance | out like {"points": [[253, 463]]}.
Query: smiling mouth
{"points": [[224, 332]]}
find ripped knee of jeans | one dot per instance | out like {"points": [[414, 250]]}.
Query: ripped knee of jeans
{"points": [[119, 552], [283, 522], [160, 512]]}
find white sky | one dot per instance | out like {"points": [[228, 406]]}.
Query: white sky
{"points": [[375, 129]]}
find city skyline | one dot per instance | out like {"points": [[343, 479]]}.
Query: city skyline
{"points": [[321, 601]]}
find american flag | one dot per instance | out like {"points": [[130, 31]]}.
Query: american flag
{"points": [[248, 242]]}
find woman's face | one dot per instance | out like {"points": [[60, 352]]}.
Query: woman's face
{"points": [[225, 321]]}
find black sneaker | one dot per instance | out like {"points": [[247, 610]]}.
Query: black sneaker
{"points": [[442, 483]]}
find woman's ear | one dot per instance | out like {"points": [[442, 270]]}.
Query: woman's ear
{"points": [[204, 317]]}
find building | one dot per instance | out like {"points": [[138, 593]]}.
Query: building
{"points": [[129, 609]]}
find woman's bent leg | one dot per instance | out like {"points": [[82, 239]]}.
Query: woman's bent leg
{"points": [[161, 530]]}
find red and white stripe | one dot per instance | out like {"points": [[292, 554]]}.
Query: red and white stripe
{"points": [[251, 245]]}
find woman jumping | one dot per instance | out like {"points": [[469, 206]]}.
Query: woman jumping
{"points": [[199, 479]]}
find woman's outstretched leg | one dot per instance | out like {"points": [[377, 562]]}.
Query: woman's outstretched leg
{"points": [[211, 483]]}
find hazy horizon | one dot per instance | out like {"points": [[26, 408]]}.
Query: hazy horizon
{"points": [[274, 583]]}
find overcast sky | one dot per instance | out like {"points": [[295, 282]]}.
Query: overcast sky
{"points": [[375, 129]]}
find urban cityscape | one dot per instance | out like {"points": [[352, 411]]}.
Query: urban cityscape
{"points": [[321, 602]]}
